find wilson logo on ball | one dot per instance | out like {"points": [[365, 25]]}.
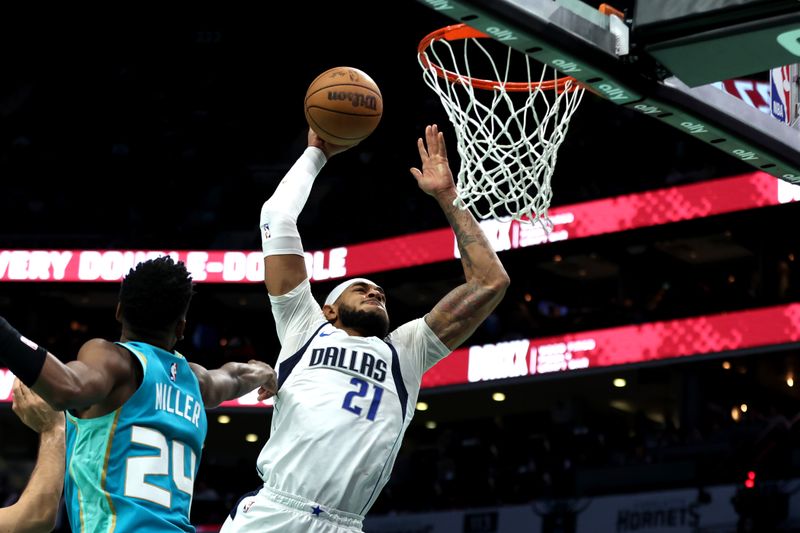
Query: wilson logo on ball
{"points": [[358, 100]]}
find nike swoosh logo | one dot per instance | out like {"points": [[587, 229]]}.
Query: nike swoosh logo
{"points": [[326, 334]]}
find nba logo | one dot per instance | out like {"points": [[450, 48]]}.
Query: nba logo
{"points": [[173, 371], [783, 93]]}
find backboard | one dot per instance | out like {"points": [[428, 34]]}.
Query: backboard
{"points": [[662, 61]]}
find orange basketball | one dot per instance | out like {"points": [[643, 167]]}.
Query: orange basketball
{"points": [[343, 105]]}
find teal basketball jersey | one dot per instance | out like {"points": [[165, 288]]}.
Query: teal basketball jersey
{"points": [[134, 468]]}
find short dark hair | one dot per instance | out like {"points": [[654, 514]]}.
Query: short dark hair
{"points": [[155, 294]]}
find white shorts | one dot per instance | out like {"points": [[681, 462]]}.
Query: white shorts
{"points": [[273, 511]]}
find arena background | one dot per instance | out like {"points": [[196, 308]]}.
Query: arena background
{"points": [[167, 133]]}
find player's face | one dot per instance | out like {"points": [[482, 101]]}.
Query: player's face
{"points": [[363, 306], [366, 296]]}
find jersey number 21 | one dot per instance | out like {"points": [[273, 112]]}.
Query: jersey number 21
{"points": [[361, 392]]}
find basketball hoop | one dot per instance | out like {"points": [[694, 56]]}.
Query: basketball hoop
{"points": [[508, 133]]}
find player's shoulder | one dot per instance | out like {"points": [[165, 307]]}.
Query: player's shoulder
{"points": [[414, 323], [101, 352], [101, 345], [405, 329]]}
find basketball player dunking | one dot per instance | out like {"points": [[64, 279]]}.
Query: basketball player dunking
{"points": [[347, 387]]}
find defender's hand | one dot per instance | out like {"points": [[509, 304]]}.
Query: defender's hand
{"points": [[264, 376], [34, 411]]}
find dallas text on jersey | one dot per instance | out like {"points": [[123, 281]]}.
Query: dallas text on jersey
{"points": [[361, 362]]}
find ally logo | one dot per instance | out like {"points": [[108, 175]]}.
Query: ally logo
{"points": [[791, 41]]}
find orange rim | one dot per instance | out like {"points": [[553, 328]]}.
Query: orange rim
{"points": [[457, 32], [606, 9]]}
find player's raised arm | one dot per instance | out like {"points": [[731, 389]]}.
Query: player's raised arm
{"points": [[284, 263], [233, 380], [459, 313]]}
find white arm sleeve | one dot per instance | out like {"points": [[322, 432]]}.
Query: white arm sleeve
{"points": [[292, 192], [297, 314]]}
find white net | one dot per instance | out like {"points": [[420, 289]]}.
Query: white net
{"points": [[507, 141]]}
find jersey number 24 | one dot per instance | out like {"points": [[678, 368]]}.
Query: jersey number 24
{"points": [[139, 468]]}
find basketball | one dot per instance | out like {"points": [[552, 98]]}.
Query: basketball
{"points": [[343, 105]]}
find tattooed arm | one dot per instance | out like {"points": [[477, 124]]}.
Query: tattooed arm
{"points": [[459, 313]]}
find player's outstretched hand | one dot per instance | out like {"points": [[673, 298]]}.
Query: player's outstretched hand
{"points": [[35, 412], [327, 148], [435, 178], [265, 377]]}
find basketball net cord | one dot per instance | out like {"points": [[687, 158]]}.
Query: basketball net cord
{"points": [[508, 151]]}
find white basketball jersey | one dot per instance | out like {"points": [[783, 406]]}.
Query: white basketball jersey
{"points": [[343, 404]]}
